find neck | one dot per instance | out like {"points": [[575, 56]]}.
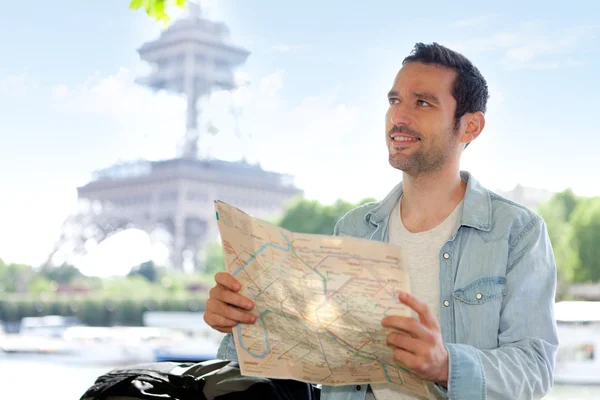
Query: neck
{"points": [[427, 200]]}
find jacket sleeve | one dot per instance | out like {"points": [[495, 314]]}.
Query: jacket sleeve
{"points": [[522, 366], [227, 349]]}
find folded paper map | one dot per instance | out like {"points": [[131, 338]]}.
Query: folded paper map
{"points": [[319, 301]]}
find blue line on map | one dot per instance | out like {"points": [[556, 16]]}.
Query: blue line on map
{"points": [[261, 316], [268, 346], [262, 248], [358, 353], [348, 348], [325, 358], [265, 332], [385, 371]]}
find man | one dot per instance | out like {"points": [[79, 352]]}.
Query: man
{"points": [[481, 267]]}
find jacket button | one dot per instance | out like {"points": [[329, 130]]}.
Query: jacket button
{"points": [[357, 387], [446, 303], [479, 296], [446, 256]]}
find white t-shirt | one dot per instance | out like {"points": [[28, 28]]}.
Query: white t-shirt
{"points": [[422, 252]]}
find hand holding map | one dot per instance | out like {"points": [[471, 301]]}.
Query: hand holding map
{"points": [[319, 302]]}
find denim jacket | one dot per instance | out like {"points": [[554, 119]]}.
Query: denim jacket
{"points": [[497, 285]]}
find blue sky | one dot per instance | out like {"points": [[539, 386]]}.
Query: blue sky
{"points": [[319, 73]]}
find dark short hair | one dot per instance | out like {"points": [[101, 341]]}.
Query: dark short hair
{"points": [[469, 89]]}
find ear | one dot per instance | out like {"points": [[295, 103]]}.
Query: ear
{"points": [[474, 124]]}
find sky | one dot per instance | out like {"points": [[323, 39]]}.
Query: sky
{"points": [[313, 106]]}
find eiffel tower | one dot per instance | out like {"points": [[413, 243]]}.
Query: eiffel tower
{"points": [[194, 57]]}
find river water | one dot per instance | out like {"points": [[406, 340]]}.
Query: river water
{"points": [[32, 379]]}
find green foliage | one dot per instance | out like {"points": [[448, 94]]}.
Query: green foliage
{"points": [[557, 212], [574, 229], [156, 9], [304, 216], [178, 282], [310, 216], [215, 261], [63, 274], [147, 270], [134, 286], [41, 284], [26, 292], [97, 310], [584, 239], [15, 277]]}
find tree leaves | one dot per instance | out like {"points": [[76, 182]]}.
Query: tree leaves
{"points": [[585, 240], [136, 4], [310, 216], [157, 9], [574, 230]]}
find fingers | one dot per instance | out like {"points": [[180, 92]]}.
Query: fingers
{"points": [[226, 280], [419, 307], [408, 325], [225, 295], [218, 322], [409, 360], [406, 343], [228, 312], [226, 308]]}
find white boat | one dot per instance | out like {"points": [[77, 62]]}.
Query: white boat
{"points": [[38, 335], [203, 341], [117, 345], [578, 358], [47, 326], [57, 338]]}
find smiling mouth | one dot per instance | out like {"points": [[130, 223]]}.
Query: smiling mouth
{"points": [[405, 139]]}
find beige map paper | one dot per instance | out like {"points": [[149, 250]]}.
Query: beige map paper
{"points": [[319, 302]]}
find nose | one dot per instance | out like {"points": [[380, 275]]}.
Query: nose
{"points": [[399, 115]]}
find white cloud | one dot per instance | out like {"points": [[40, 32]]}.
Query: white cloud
{"points": [[149, 122], [17, 85], [311, 138], [29, 228], [304, 138], [272, 84], [60, 91], [533, 45]]}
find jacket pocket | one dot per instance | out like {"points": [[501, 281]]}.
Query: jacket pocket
{"points": [[482, 290], [477, 309]]}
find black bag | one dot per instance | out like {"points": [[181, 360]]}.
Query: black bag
{"points": [[208, 380]]}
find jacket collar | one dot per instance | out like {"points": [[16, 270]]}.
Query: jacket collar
{"points": [[477, 205]]}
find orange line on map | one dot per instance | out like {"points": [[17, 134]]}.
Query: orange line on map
{"points": [[249, 277], [365, 343], [380, 287]]}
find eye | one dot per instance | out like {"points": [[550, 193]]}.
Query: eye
{"points": [[393, 100], [423, 103]]}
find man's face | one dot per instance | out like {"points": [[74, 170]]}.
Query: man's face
{"points": [[419, 123]]}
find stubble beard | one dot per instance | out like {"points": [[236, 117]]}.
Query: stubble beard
{"points": [[426, 162]]}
